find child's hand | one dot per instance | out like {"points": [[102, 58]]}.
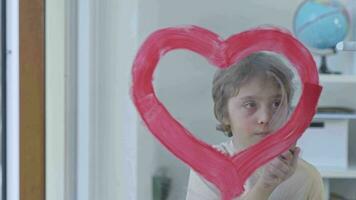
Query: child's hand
{"points": [[274, 173], [279, 169]]}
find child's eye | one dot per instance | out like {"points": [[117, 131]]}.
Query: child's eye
{"points": [[276, 104], [250, 104]]}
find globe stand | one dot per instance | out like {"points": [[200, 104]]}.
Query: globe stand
{"points": [[323, 69]]}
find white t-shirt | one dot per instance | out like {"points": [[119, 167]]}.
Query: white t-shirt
{"points": [[304, 184]]}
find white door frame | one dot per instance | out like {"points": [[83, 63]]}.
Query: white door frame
{"points": [[12, 100], [91, 124]]}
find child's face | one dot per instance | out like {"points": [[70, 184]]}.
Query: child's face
{"points": [[251, 111]]}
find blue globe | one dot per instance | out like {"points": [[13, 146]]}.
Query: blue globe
{"points": [[321, 24]]}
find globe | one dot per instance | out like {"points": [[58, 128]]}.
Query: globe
{"points": [[320, 25]]}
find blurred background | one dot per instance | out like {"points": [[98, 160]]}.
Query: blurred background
{"points": [[96, 144]]}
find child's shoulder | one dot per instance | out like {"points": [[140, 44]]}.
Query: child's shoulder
{"points": [[307, 168]]}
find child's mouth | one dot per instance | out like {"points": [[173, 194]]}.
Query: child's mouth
{"points": [[262, 133]]}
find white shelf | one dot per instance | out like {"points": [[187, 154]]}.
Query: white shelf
{"points": [[334, 116], [337, 173], [337, 78]]}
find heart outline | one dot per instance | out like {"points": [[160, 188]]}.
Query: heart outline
{"points": [[222, 53]]}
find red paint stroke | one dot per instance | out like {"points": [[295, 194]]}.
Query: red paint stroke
{"points": [[228, 174]]}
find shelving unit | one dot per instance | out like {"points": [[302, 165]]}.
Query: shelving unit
{"points": [[329, 173], [338, 90], [330, 150], [334, 116]]}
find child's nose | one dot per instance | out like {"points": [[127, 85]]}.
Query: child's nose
{"points": [[264, 116]]}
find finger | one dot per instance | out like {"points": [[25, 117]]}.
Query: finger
{"points": [[293, 146], [276, 173], [295, 157], [277, 164], [287, 156], [281, 166]]}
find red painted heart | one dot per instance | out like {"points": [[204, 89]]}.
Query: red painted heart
{"points": [[228, 174]]}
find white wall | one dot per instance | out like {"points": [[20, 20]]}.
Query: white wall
{"points": [[55, 99], [114, 142]]}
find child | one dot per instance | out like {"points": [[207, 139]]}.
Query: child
{"points": [[251, 100]]}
